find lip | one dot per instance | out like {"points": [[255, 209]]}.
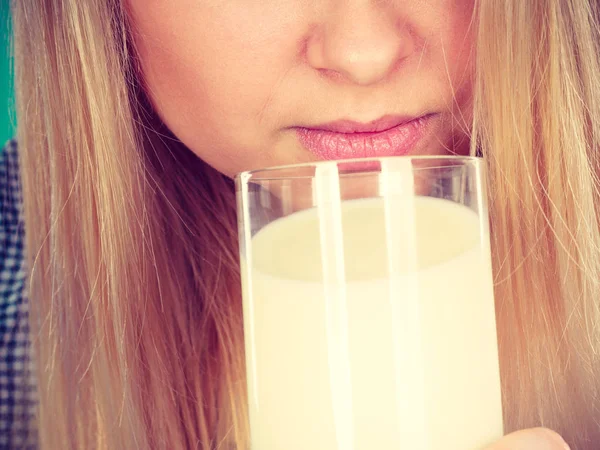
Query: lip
{"points": [[346, 139]]}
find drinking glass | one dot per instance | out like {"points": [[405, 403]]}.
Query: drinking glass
{"points": [[369, 315]]}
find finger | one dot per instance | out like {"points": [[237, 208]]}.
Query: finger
{"points": [[533, 439]]}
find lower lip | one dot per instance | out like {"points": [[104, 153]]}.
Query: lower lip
{"points": [[397, 141]]}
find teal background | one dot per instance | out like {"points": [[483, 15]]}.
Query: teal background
{"points": [[7, 107]]}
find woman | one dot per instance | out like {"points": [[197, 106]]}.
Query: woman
{"points": [[134, 115]]}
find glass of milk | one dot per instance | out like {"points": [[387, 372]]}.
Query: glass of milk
{"points": [[368, 305]]}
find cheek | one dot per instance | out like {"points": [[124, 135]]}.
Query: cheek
{"points": [[461, 31], [204, 70], [455, 51]]}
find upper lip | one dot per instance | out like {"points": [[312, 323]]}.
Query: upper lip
{"points": [[376, 126]]}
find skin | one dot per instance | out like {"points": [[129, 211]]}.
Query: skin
{"points": [[233, 78], [534, 439]]}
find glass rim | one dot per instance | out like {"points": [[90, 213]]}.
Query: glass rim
{"points": [[254, 174]]}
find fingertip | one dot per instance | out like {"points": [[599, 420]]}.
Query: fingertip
{"points": [[532, 439], [555, 440]]}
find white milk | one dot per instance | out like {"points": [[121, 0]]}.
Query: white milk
{"points": [[406, 361]]}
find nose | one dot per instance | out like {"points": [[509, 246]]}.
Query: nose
{"points": [[363, 41]]}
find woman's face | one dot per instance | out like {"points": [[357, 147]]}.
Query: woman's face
{"points": [[255, 83]]}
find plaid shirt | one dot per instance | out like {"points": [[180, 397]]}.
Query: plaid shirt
{"points": [[17, 395]]}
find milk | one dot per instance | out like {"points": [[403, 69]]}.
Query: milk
{"points": [[398, 351]]}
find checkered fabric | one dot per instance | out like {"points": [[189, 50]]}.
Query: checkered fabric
{"points": [[17, 395]]}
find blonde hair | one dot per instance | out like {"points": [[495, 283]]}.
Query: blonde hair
{"points": [[537, 108], [136, 312]]}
